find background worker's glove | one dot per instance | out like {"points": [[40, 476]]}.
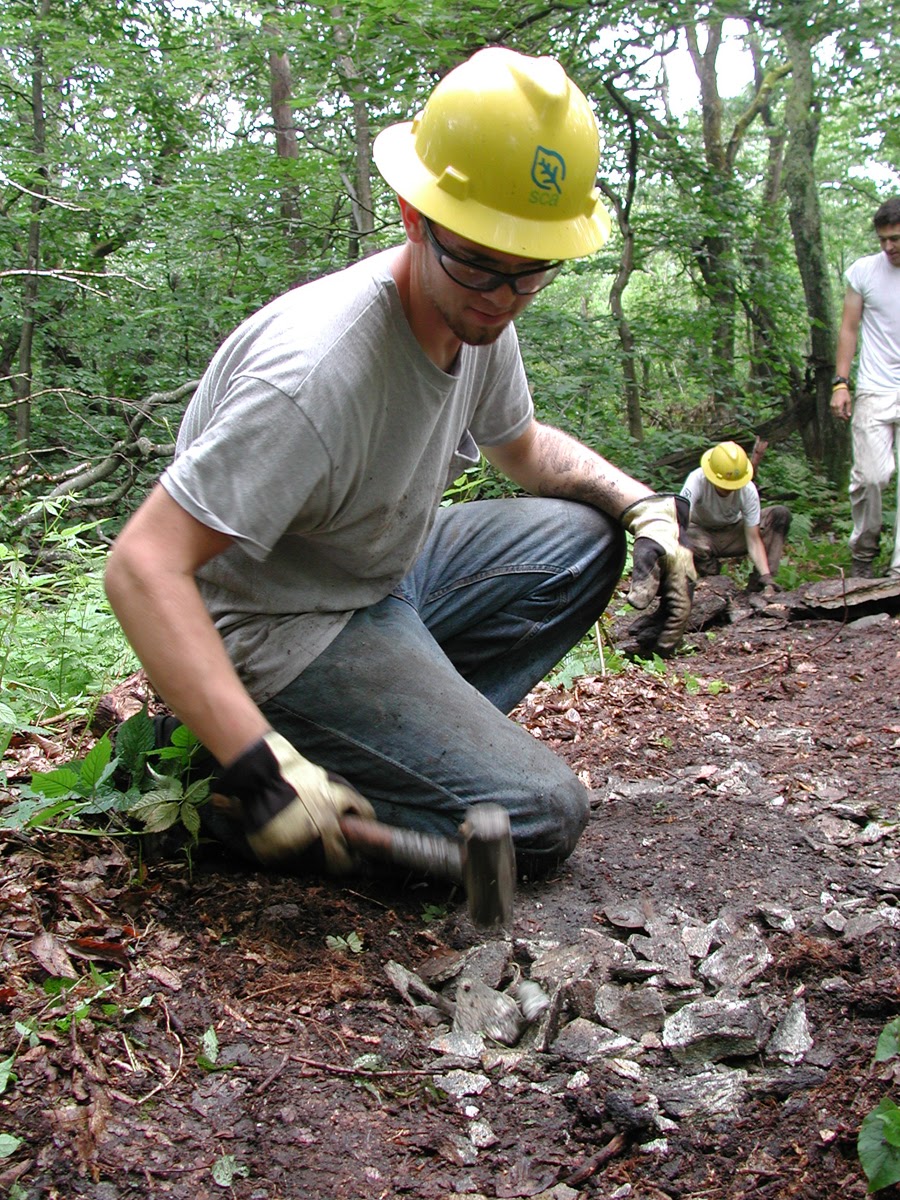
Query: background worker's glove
{"points": [[288, 803], [662, 566]]}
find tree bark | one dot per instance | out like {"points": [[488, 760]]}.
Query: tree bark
{"points": [[281, 89], [822, 440], [360, 187], [622, 209], [715, 256], [22, 379]]}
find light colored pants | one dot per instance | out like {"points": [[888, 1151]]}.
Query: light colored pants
{"points": [[875, 429], [409, 701], [710, 545]]}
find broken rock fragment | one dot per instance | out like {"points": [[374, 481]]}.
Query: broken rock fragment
{"points": [[715, 1029], [481, 1009], [632, 1011], [738, 962]]}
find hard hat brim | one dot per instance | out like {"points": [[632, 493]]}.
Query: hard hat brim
{"points": [[395, 156]]}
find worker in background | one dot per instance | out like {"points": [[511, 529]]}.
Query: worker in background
{"points": [[727, 520], [871, 316]]}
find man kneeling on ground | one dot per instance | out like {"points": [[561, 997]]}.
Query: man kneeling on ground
{"points": [[726, 520]]}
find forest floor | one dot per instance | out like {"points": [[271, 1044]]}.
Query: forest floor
{"points": [[224, 1032]]}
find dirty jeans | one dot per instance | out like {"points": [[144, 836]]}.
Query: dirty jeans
{"points": [[875, 429], [710, 545], [408, 702]]}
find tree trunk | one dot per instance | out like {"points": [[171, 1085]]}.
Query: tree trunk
{"points": [[22, 379], [281, 88], [715, 256], [822, 439], [622, 209], [360, 187]]}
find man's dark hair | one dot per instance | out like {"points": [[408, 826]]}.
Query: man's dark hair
{"points": [[887, 213]]}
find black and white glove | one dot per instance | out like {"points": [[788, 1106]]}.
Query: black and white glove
{"points": [[662, 567], [287, 803]]}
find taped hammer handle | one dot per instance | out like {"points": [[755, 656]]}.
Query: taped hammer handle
{"points": [[427, 853]]}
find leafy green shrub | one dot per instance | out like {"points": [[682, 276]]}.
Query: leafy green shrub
{"points": [[59, 641], [118, 794]]}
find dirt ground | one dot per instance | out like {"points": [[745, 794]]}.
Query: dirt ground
{"points": [[237, 1034]]}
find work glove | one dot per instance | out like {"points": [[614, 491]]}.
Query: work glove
{"points": [[769, 586], [287, 803], [662, 567]]}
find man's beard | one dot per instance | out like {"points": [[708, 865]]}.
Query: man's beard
{"points": [[470, 332]]}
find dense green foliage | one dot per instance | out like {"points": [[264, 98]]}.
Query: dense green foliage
{"points": [[143, 179], [166, 169]]}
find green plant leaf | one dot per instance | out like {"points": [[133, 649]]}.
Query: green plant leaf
{"points": [[878, 1145], [190, 819], [7, 1074], [95, 765], [8, 1144], [210, 1044], [227, 1168], [45, 816], [57, 784], [352, 942], [369, 1062], [207, 1064], [134, 741], [156, 813], [888, 1045]]}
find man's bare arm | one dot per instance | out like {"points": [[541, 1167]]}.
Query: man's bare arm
{"points": [[846, 349], [756, 550], [151, 587], [547, 462]]}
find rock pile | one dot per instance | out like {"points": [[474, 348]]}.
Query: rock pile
{"points": [[664, 1018]]}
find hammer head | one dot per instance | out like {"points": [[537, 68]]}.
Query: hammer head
{"points": [[488, 863]]}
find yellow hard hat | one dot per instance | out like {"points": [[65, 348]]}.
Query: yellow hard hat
{"points": [[727, 466], [505, 153]]}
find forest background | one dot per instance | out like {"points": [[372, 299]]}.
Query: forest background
{"points": [[168, 167]]}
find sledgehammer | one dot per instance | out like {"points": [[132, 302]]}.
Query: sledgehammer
{"points": [[482, 859]]}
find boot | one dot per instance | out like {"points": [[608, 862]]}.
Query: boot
{"points": [[862, 568]]}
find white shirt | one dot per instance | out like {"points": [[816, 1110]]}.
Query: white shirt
{"points": [[709, 510], [878, 283]]}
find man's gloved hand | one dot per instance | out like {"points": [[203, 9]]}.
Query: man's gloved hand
{"points": [[662, 565], [288, 803], [769, 586]]}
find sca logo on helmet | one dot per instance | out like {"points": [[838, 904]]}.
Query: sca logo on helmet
{"points": [[548, 170]]}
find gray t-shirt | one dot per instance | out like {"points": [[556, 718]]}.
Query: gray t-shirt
{"points": [[709, 510], [321, 439]]}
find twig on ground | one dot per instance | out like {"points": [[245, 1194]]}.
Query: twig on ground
{"points": [[316, 1064], [613, 1147], [271, 1077], [600, 649], [167, 1083]]}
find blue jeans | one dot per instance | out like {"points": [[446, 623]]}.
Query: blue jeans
{"points": [[408, 703]]}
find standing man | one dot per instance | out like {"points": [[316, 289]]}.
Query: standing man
{"points": [[293, 587], [872, 310], [726, 518]]}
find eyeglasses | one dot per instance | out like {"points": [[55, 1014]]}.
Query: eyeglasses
{"points": [[478, 279]]}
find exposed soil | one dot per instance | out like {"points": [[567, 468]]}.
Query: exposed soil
{"points": [[775, 793]]}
